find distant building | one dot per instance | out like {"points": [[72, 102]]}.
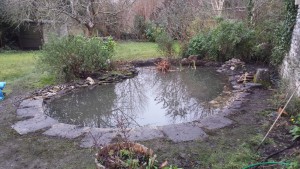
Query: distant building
{"points": [[33, 35]]}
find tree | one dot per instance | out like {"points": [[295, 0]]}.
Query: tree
{"points": [[175, 16], [88, 13], [218, 5]]}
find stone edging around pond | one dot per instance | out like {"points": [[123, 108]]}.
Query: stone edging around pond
{"points": [[32, 110]]}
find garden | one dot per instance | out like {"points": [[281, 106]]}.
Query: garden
{"points": [[169, 87]]}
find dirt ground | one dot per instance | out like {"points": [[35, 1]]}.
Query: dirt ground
{"points": [[42, 152]]}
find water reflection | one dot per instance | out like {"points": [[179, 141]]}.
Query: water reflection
{"points": [[152, 98]]}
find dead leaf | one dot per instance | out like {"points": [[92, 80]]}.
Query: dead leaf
{"points": [[283, 113], [164, 164]]}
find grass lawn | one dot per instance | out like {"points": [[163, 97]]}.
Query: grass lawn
{"points": [[18, 69], [136, 50]]}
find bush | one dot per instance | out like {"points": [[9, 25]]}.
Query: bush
{"points": [[228, 40], [165, 44], [140, 26], [152, 32], [76, 56]]}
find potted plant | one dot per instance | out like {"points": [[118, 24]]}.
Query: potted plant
{"points": [[125, 155]]}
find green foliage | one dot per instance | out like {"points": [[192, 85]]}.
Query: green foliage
{"points": [[295, 132], [198, 45], [294, 165], [76, 56], [283, 33], [152, 32], [165, 44], [228, 40], [140, 26]]}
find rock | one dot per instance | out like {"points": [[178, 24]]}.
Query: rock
{"points": [[66, 131], [215, 122], [183, 132], [34, 124], [263, 77], [31, 103], [144, 133], [253, 85], [90, 81], [56, 88], [232, 65]]}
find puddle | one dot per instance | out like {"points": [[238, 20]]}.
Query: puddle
{"points": [[150, 99]]}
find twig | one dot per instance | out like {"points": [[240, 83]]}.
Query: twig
{"points": [[279, 115], [296, 143]]}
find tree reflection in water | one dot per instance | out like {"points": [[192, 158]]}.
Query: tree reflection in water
{"points": [[151, 98], [88, 107], [183, 94]]}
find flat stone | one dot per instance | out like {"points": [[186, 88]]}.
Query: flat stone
{"points": [[30, 112], [66, 131], [145, 133], [31, 103], [253, 85], [34, 124], [236, 104], [183, 132], [98, 137], [215, 122], [225, 112], [243, 95]]}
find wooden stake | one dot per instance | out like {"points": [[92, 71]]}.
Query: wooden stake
{"points": [[279, 115]]}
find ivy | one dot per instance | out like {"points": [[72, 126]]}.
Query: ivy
{"points": [[284, 33]]}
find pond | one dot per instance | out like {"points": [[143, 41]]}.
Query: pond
{"points": [[150, 99]]}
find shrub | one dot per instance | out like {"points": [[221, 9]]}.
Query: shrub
{"points": [[198, 46], [140, 26], [152, 32], [76, 56], [165, 44], [228, 40]]}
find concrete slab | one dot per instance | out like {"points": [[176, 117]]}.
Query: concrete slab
{"points": [[145, 133], [30, 112], [214, 122], [31, 103], [98, 137], [34, 124], [183, 132], [66, 131]]}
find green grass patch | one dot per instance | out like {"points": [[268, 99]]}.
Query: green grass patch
{"points": [[136, 50], [18, 69]]}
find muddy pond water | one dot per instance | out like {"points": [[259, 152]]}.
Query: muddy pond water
{"points": [[151, 98]]}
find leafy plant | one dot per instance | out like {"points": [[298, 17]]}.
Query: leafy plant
{"points": [[294, 165], [140, 26], [228, 40], [165, 44], [76, 56], [152, 31], [283, 33], [295, 132]]}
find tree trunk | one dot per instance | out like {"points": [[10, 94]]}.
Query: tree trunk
{"points": [[90, 31]]}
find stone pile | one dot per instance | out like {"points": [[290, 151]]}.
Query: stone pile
{"points": [[232, 65]]}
